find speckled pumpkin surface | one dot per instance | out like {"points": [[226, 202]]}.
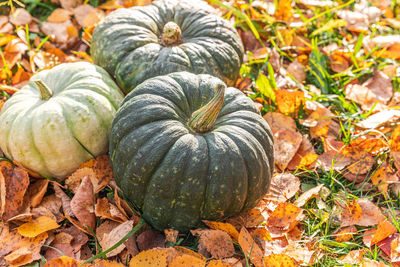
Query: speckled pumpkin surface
{"points": [[53, 136], [134, 44], [178, 176]]}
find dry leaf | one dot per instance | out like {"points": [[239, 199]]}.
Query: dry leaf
{"points": [[82, 204], [187, 260], [345, 234], [338, 62], [102, 168], [261, 233], [114, 236], [395, 250], [69, 4], [226, 227], [382, 178], [385, 229], [20, 17], [284, 218], [215, 242], [286, 144], [283, 187], [279, 260], [305, 155], [311, 193], [154, 257], [370, 213], [353, 257], [59, 249], [63, 261], [289, 101], [106, 210], [171, 235], [297, 70], [37, 226], [252, 218], [284, 10], [87, 15], [356, 21], [59, 15], [250, 248], [278, 121], [183, 250], [58, 32], [352, 214], [150, 239], [14, 182], [36, 192], [325, 126], [333, 160]]}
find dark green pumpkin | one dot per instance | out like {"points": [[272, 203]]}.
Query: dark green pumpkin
{"points": [[179, 169], [138, 43]]}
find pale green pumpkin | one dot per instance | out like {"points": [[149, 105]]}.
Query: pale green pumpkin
{"points": [[61, 119]]}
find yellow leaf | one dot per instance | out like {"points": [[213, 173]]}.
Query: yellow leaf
{"points": [[6, 39], [345, 234], [284, 10], [284, 218], [63, 261], [37, 226], [187, 260], [279, 261], [226, 227], [250, 248], [289, 101], [183, 250], [154, 257]]}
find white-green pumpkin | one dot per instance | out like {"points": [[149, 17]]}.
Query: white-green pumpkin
{"points": [[61, 119]]}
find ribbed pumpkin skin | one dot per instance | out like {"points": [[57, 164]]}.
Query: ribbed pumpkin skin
{"points": [[48, 136], [127, 43], [178, 177]]}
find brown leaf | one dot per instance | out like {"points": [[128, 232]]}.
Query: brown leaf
{"points": [[286, 144], [50, 204], [80, 238], [284, 218], [370, 213], [333, 160], [36, 191], [382, 178], [87, 15], [356, 21], [297, 70], [311, 193], [13, 182], [102, 168], [20, 17], [105, 228], [345, 234], [59, 249], [114, 236], [283, 187], [58, 32], [82, 204], [106, 210], [226, 227], [338, 62], [305, 155], [325, 125], [252, 218], [150, 239], [69, 4], [250, 248], [59, 15], [215, 242], [171, 235], [352, 214], [278, 121], [353, 257]]}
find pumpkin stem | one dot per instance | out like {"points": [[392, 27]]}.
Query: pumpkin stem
{"points": [[44, 91], [171, 35], [203, 119]]}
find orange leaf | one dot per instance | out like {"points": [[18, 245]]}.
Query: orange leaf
{"points": [[218, 243], [345, 234], [187, 260], [183, 250], [289, 101], [250, 248], [286, 145], [382, 178], [284, 10], [284, 218], [352, 214], [279, 261], [20, 76], [63, 261], [226, 227], [6, 39], [218, 263], [107, 263], [106, 210], [262, 234], [37, 226], [384, 230], [154, 257]]}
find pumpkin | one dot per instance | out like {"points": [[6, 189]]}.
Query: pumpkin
{"points": [[61, 119], [185, 148], [141, 42]]}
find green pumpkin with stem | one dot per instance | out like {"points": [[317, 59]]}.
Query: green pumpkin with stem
{"points": [[61, 119], [185, 148], [167, 36]]}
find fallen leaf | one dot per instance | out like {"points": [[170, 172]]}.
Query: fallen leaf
{"points": [[37, 226], [284, 10], [183, 250], [356, 21], [338, 62], [382, 177], [385, 229], [102, 168], [59, 249], [250, 248], [345, 234], [226, 227], [14, 183], [187, 260], [20, 17], [277, 260], [333, 160], [283, 187], [154, 257], [105, 210], [286, 144], [220, 263], [284, 218], [370, 213], [261, 233], [59, 15], [36, 191], [353, 257], [351, 214], [305, 156], [107, 263], [69, 4], [377, 119], [325, 125], [297, 70], [87, 15], [252, 218], [63, 261], [82, 204], [58, 32], [171, 235], [114, 236], [278, 121], [150, 239], [311, 193], [289, 101], [215, 242]]}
